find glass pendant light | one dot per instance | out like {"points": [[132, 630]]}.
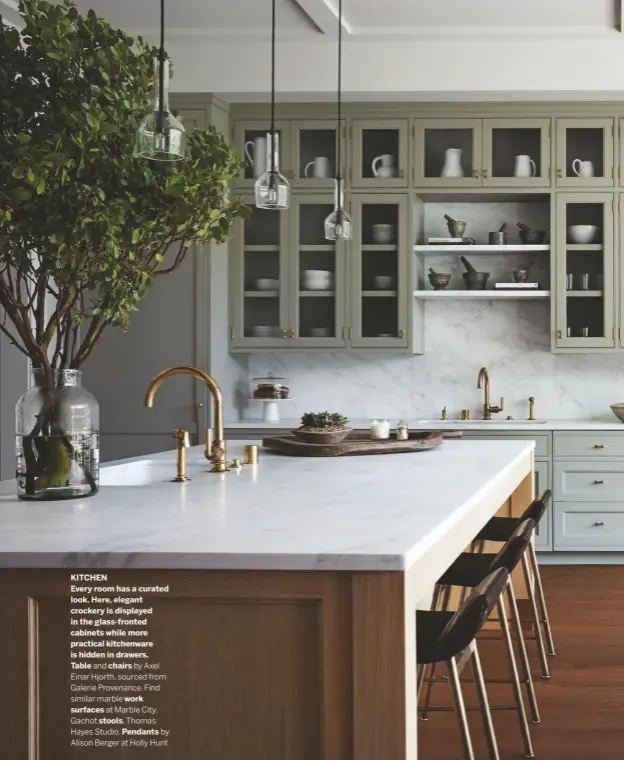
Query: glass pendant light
{"points": [[272, 188], [161, 137], [338, 225]]}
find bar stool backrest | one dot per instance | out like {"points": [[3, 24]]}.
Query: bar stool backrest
{"points": [[466, 623], [535, 510], [511, 553]]}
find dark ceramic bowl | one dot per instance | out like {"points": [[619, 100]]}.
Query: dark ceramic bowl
{"points": [[476, 280], [532, 237], [439, 281], [322, 438]]}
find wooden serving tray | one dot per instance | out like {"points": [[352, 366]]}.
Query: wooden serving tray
{"points": [[358, 444]]}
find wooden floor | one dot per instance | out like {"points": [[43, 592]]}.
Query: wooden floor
{"points": [[582, 706]]}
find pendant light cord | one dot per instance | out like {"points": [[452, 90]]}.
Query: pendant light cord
{"points": [[273, 24], [339, 126], [160, 126]]}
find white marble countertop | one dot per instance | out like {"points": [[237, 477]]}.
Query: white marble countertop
{"points": [[350, 513], [500, 424]]}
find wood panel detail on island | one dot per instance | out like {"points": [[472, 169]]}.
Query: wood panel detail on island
{"points": [[261, 663]]}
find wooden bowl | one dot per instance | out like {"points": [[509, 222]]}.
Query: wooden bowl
{"points": [[322, 438]]}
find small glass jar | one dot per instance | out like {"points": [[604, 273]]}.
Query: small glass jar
{"points": [[57, 429], [402, 431], [379, 430]]}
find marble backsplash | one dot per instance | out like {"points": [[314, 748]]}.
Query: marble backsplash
{"points": [[510, 338]]}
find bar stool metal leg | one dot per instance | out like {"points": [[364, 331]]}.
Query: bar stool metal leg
{"points": [[485, 705], [524, 658], [536, 619], [542, 599], [442, 597], [460, 707], [515, 680]]}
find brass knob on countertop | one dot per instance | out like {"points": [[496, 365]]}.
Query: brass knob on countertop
{"points": [[235, 464]]}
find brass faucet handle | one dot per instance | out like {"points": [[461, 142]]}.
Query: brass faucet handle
{"points": [[181, 435], [531, 407], [443, 415], [497, 409]]}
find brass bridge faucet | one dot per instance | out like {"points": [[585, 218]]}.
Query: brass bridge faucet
{"points": [[484, 382], [219, 462]]}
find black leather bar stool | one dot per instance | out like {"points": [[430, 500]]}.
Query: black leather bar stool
{"points": [[444, 636], [498, 529], [469, 570]]}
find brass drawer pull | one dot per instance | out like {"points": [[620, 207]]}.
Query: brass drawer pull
{"points": [[598, 482], [600, 446], [599, 523]]}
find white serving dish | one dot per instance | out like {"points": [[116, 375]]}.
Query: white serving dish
{"points": [[582, 233], [316, 279], [319, 332], [383, 282], [267, 283], [383, 233], [264, 331]]}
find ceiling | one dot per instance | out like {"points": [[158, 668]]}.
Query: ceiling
{"points": [[367, 18]]}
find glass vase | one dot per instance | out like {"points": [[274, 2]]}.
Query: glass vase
{"points": [[57, 438]]}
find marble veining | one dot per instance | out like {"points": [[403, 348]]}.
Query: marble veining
{"points": [[350, 513]]}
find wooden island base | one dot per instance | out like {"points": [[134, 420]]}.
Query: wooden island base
{"points": [[268, 665]]}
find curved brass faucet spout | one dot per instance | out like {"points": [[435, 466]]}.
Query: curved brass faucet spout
{"points": [[484, 383], [219, 462]]}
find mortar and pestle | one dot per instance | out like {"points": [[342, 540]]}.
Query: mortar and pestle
{"points": [[531, 237], [438, 280], [499, 237], [455, 228], [474, 280]]}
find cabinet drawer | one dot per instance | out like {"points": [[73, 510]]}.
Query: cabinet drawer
{"points": [[588, 481], [542, 440], [588, 527], [607, 444]]}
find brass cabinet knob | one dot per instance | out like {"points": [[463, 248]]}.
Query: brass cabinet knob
{"points": [[600, 446], [560, 172], [284, 333], [475, 174], [484, 173], [599, 523], [401, 333], [598, 482], [401, 173], [560, 333]]}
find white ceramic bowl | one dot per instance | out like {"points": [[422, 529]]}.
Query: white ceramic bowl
{"points": [[382, 282], [316, 279], [267, 283], [319, 332], [582, 233], [263, 331], [383, 233]]}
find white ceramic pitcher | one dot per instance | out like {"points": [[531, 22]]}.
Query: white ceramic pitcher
{"points": [[452, 163], [321, 168], [383, 166], [525, 167], [256, 153], [582, 168]]}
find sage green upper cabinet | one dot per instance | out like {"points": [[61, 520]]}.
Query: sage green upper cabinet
{"points": [[259, 277], [585, 153], [620, 268], [250, 139], [516, 153], [314, 154], [585, 271], [380, 157], [378, 259], [317, 287], [447, 152]]}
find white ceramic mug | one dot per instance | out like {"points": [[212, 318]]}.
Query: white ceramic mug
{"points": [[582, 168], [321, 168], [383, 233], [256, 153], [383, 166], [525, 167]]}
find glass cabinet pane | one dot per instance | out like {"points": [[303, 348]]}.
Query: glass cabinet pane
{"points": [[585, 152], [318, 305], [260, 279], [585, 272], [447, 152], [516, 152], [251, 142], [380, 153], [314, 143], [379, 282]]}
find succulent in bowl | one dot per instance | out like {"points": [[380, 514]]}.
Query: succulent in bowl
{"points": [[322, 427]]}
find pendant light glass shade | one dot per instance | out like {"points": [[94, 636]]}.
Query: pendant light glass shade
{"points": [[161, 137], [338, 225], [272, 188]]}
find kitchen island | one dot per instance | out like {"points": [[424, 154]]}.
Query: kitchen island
{"points": [[279, 599]]}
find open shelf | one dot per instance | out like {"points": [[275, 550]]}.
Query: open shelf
{"points": [[584, 246], [584, 293], [261, 293], [482, 294], [519, 248]]}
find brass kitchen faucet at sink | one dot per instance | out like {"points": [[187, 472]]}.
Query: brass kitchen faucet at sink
{"points": [[219, 461], [484, 382]]}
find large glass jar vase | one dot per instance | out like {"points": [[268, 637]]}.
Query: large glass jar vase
{"points": [[57, 438]]}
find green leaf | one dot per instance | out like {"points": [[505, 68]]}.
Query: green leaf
{"points": [[136, 234], [159, 257], [41, 187], [19, 172]]}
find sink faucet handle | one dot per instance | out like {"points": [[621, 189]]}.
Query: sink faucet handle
{"points": [[182, 437], [531, 407], [443, 416], [502, 404]]}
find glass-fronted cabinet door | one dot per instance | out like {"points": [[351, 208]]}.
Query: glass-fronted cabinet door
{"points": [[317, 291], [448, 152], [250, 140], [585, 293], [585, 152], [259, 280], [378, 273], [516, 153], [380, 153], [314, 153]]}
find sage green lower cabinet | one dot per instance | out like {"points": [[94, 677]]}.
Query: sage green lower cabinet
{"points": [[378, 271], [543, 533], [589, 526], [585, 272]]}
